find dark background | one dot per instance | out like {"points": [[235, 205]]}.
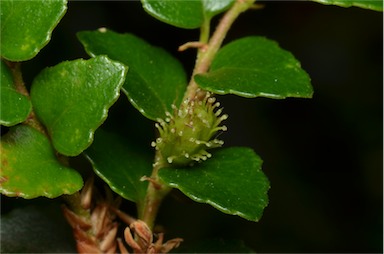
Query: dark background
{"points": [[323, 156]]}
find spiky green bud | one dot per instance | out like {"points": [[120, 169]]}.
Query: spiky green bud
{"points": [[186, 134]]}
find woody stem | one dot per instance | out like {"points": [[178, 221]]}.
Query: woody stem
{"points": [[156, 192]]}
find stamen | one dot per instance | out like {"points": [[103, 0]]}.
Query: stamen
{"points": [[218, 112], [170, 159], [224, 117], [211, 100]]}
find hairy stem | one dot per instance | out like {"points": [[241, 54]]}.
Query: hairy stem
{"points": [[155, 194], [206, 55]]}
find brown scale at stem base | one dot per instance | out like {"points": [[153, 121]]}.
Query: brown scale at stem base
{"points": [[95, 226]]}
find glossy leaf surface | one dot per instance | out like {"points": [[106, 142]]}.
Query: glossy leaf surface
{"points": [[26, 26], [376, 5], [72, 100], [155, 80], [214, 7], [185, 14], [29, 167], [14, 107], [120, 164], [255, 66], [231, 181]]}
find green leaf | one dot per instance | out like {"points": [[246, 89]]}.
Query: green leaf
{"points": [[184, 14], [14, 107], [26, 26], [72, 100], [376, 5], [214, 7], [29, 167], [231, 181], [120, 164], [188, 14], [155, 80], [256, 66]]}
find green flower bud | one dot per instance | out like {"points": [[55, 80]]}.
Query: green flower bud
{"points": [[186, 134]]}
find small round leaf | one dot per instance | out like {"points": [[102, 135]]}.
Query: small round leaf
{"points": [[29, 167], [214, 7], [255, 66], [185, 14], [120, 164], [155, 80], [72, 100], [14, 107], [376, 5], [26, 26], [231, 181]]}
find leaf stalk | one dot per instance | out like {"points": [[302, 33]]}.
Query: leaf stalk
{"points": [[19, 84]]}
